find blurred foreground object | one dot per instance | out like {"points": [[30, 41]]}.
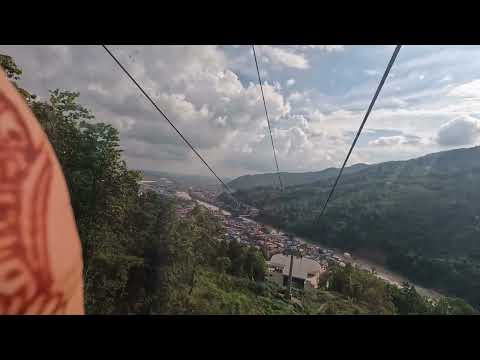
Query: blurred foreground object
{"points": [[40, 252]]}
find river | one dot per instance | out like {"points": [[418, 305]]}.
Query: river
{"points": [[381, 272], [186, 196]]}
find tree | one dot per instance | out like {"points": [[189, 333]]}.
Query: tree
{"points": [[453, 306], [224, 264], [10, 67], [13, 73], [236, 254], [254, 265], [104, 194]]}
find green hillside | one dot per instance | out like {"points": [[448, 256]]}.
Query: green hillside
{"points": [[420, 217]]}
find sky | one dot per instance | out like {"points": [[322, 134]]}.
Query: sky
{"points": [[316, 97]]}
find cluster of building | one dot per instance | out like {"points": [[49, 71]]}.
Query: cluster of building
{"points": [[162, 186], [309, 262], [208, 196]]}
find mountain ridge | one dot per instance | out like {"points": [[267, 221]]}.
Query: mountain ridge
{"points": [[249, 181]]}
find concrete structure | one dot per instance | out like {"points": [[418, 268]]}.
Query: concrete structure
{"points": [[305, 272]]}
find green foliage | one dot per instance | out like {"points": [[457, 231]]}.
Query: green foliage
{"points": [[10, 67], [231, 295], [13, 73], [195, 270], [421, 215], [453, 306], [104, 197], [363, 288], [355, 292]]}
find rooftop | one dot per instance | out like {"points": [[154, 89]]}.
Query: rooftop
{"points": [[301, 266]]}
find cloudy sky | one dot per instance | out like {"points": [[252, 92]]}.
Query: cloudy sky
{"points": [[316, 97]]}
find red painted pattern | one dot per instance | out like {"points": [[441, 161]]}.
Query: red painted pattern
{"points": [[26, 281]]}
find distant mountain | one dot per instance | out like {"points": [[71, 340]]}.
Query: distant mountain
{"points": [[420, 217], [246, 182]]}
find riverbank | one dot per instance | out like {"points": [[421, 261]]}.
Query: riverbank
{"points": [[362, 263], [359, 261], [185, 196]]}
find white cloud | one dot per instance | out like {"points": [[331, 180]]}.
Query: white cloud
{"points": [[316, 115], [193, 85], [470, 89], [447, 78], [291, 141], [285, 57], [295, 96], [327, 48], [97, 88], [391, 102], [371, 72], [395, 140], [221, 120], [290, 82], [460, 131]]}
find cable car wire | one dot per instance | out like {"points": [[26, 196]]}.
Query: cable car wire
{"points": [[268, 120], [379, 88], [171, 124]]}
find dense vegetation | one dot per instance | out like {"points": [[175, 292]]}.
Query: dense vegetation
{"points": [[363, 293], [419, 217], [139, 257]]}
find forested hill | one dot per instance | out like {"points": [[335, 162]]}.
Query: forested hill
{"points": [[421, 216], [247, 182]]}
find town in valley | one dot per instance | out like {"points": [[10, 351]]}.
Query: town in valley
{"points": [[310, 261]]}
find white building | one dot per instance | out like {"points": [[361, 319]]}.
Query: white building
{"points": [[305, 272]]}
